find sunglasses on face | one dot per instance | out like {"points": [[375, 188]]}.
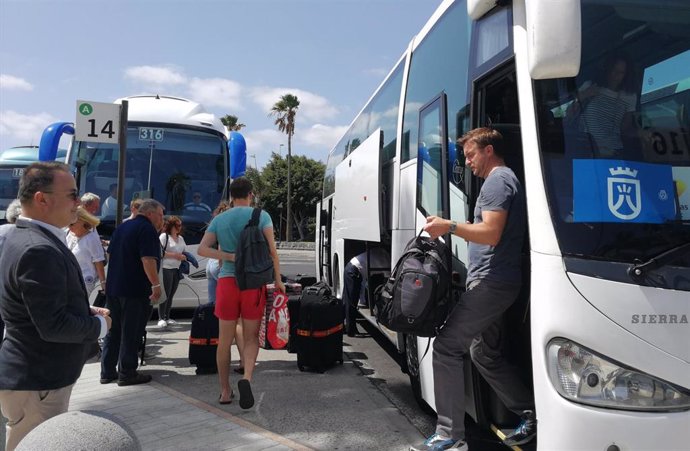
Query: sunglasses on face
{"points": [[87, 226], [72, 194]]}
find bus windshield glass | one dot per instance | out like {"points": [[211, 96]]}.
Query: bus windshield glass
{"points": [[181, 168], [615, 140], [9, 185]]}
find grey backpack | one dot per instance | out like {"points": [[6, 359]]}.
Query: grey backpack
{"points": [[253, 262]]}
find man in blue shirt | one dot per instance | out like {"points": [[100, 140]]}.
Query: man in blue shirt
{"points": [[132, 285]]}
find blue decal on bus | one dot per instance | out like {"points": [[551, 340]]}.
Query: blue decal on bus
{"points": [[622, 191]]}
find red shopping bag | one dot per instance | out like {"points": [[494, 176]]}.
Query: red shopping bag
{"points": [[278, 324]]}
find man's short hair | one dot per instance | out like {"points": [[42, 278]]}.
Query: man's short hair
{"points": [[240, 188], [38, 177], [14, 209], [149, 206], [484, 136], [88, 198]]}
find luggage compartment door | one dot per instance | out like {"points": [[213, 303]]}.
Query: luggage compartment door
{"points": [[356, 208]]}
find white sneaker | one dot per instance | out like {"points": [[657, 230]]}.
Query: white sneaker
{"points": [[171, 322], [162, 323]]}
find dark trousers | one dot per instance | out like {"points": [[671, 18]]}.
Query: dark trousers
{"points": [[474, 327], [171, 279], [120, 346], [352, 286]]}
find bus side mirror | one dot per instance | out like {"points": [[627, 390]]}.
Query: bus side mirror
{"points": [[554, 38], [50, 139]]}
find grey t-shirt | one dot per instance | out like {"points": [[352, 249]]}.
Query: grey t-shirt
{"points": [[501, 191]]}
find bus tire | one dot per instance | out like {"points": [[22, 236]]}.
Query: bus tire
{"points": [[412, 368]]}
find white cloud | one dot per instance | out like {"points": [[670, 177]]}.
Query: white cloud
{"points": [[155, 75], [219, 92], [312, 107], [324, 136], [10, 82], [376, 72], [24, 128]]}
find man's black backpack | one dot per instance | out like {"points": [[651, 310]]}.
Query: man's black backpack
{"points": [[253, 262], [416, 299]]}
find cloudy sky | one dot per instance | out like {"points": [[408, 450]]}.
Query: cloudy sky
{"points": [[234, 56]]}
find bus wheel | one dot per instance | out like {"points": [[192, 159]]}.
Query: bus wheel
{"points": [[412, 368]]}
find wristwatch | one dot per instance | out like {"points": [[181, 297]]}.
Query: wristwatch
{"points": [[453, 226]]}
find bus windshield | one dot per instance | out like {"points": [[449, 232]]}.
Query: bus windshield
{"points": [[180, 167], [615, 140], [9, 185], [12, 164]]}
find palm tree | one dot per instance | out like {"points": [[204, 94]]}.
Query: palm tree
{"points": [[285, 111], [230, 122]]}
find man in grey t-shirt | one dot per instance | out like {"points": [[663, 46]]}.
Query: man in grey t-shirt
{"points": [[493, 283]]}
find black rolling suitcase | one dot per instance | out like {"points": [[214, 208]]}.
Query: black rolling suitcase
{"points": [[293, 311], [320, 329], [203, 339]]}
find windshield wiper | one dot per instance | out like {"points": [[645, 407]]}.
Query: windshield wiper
{"points": [[638, 271]]}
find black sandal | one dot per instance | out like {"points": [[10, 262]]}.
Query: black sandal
{"points": [[239, 370], [246, 396], [220, 398]]}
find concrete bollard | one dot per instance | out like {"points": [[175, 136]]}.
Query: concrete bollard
{"points": [[81, 430]]}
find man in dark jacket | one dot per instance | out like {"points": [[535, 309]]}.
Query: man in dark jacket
{"points": [[50, 329]]}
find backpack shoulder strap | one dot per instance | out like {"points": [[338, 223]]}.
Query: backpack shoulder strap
{"points": [[256, 214]]}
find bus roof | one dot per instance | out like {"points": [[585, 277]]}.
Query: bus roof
{"points": [[23, 155], [171, 110]]}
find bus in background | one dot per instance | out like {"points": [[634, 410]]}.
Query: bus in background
{"points": [[12, 164], [600, 329], [177, 153]]}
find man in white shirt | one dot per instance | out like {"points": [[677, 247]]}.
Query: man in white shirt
{"points": [[110, 204]]}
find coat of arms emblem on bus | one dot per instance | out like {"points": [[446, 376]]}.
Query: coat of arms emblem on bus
{"points": [[624, 199]]}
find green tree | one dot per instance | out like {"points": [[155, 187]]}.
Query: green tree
{"points": [[308, 177], [231, 123], [285, 111]]}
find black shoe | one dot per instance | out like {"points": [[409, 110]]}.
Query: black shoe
{"points": [[134, 380], [107, 380], [525, 432]]}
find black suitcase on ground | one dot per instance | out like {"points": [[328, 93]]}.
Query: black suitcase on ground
{"points": [[293, 311], [203, 339], [319, 329]]}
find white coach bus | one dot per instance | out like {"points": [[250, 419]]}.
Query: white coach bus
{"points": [[588, 97], [177, 153]]}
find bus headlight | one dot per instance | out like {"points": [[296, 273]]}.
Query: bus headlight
{"points": [[582, 376]]}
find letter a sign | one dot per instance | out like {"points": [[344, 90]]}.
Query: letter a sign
{"points": [[97, 122]]}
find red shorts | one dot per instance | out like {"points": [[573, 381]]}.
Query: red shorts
{"points": [[231, 303]]}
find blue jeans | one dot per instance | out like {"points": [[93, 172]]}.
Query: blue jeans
{"points": [[120, 346], [212, 271]]}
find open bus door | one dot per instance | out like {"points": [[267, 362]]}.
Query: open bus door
{"points": [[355, 209]]}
